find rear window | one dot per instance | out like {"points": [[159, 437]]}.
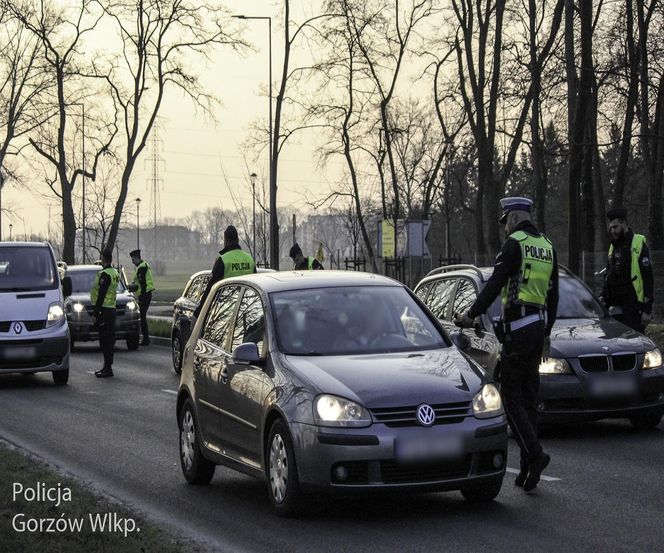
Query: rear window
{"points": [[23, 269]]}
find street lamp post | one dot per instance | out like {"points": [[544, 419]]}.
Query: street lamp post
{"points": [[2, 182], [253, 178], [83, 176], [138, 223], [274, 228], [10, 231]]}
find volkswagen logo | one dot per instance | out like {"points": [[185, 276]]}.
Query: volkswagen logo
{"points": [[18, 328], [426, 416]]}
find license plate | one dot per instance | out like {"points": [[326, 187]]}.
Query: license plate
{"points": [[425, 448], [17, 353], [613, 387]]}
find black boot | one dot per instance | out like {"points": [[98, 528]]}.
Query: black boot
{"points": [[104, 373], [535, 470], [521, 477]]}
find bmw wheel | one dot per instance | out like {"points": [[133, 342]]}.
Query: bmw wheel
{"points": [[133, 341], [282, 480], [176, 350], [60, 378], [196, 468]]}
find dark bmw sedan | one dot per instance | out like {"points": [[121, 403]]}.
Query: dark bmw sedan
{"points": [[336, 382], [599, 368]]}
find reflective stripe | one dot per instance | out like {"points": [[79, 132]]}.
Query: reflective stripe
{"points": [[525, 321]]}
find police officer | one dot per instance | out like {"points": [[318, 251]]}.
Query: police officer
{"points": [[143, 284], [628, 281], [232, 262], [301, 263], [526, 274], [102, 295]]}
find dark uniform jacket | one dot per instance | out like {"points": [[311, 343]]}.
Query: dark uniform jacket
{"points": [[217, 274], [618, 287], [508, 264], [304, 266], [141, 274]]}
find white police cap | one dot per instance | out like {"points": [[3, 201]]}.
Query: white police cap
{"points": [[514, 203]]}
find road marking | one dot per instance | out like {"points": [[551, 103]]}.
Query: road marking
{"points": [[545, 478], [170, 392]]}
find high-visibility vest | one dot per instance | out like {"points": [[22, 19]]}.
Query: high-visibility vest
{"points": [[237, 263], [638, 240], [310, 263], [111, 293], [149, 282], [531, 284]]}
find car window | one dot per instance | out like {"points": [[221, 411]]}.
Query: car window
{"points": [[422, 291], [202, 285], [250, 321], [576, 302], [439, 297], [217, 322], [190, 289], [465, 296]]}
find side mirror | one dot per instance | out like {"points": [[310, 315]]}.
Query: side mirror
{"points": [[460, 340], [247, 354], [66, 286]]}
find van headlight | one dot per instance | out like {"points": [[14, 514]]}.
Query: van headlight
{"points": [[487, 402], [131, 305], [56, 314], [554, 366], [652, 359], [336, 411]]}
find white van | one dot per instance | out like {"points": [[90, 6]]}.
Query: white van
{"points": [[34, 336]]}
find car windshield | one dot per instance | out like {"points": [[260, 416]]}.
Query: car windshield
{"points": [[574, 301], [351, 320], [82, 281], [27, 268]]}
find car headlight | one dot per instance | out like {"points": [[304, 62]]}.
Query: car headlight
{"points": [[487, 402], [652, 359], [131, 305], [56, 314], [78, 307], [554, 366], [337, 411]]}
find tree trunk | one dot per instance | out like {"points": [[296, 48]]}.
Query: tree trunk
{"points": [[537, 149]]}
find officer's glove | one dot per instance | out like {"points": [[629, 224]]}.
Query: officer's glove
{"points": [[645, 319], [546, 350], [132, 287], [463, 320]]}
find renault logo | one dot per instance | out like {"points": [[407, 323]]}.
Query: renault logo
{"points": [[425, 415], [18, 328]]}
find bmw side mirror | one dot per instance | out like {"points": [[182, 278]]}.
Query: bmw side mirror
{"points": [[66, 286], [247, 354], [460, 340]]}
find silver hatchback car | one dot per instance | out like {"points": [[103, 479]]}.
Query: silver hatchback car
{"points": [[332, 382]]}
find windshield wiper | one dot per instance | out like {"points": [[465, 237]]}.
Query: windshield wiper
{"points": [[303, 353], [15, 289]]}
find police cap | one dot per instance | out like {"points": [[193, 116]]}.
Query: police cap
{"points": [[135, 253], [616, 213], [294, 251], [514, 203]]}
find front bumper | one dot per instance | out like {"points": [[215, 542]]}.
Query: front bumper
{"points": [[368, 457], [568, 398], [83, 329], [41, 351]]}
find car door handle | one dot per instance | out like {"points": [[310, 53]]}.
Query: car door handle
{"points": [[224, 373]]}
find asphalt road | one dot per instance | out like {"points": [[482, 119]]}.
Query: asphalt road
{"points": [[604, 490]]}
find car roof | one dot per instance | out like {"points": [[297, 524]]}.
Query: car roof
{"points": [[279, 281], [88, 267], [15, 244], [480, 273]]}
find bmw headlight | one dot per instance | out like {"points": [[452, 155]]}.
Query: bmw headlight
{"points": [[78, 307], [554, 366], [652, 359], [56, 314], [337, 411], [487, 402], [131, 305]]}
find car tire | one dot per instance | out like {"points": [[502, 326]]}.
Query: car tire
{"points": [[133, 341], [176, 352], [72, 342], [482, 493], [283, 484], [60, 378], [195, 468], [647, 420]]}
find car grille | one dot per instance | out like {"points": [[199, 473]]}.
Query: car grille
{"points": [[446, 413], [395, 473], [600, 363], [30, 326], [36, 363], [119, 311]]}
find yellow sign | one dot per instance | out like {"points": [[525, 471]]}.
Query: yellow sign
{"points": [[388, 238]]}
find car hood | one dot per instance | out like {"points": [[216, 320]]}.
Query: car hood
{"points": [[394, 379], [573, 337], [84, 298]]}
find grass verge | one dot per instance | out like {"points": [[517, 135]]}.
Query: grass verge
{"points": [[159, 327], [25, 520]]}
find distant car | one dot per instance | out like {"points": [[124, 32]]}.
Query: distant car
{"points": [[599, 368], [33, 332], [79, 309], [183, 311], [335, 381]]}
